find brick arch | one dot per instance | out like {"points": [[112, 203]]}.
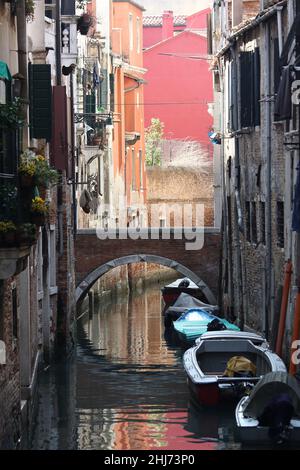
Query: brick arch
{"points": [[92, 277]]}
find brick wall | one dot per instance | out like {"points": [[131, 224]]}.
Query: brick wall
{"points": [[10, 424]]}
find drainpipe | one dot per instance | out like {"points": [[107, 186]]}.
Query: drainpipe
{"points": [[269, 185], [279, 27], [224, 204], [238, 220]]}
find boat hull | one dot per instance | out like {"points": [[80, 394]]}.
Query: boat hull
{"points": [[249, 432]]}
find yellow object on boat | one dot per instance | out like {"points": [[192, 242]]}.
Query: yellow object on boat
{"points": [[239, 366]]}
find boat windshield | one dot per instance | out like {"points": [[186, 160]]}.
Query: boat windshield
{"points": [[196, 315]]}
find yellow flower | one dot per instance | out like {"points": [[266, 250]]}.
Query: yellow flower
{"points": [[39, 205]]}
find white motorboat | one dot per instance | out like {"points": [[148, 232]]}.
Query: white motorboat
{"points": [[205, 364]]}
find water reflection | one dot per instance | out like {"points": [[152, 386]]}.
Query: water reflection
{"points": [[128, 389], [131, 390]]}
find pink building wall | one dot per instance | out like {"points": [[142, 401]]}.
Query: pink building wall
{"points": [[179, 86]]}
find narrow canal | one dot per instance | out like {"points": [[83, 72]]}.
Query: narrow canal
{"points": [[126, 388]]}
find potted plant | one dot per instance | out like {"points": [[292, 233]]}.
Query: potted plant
{"points": [[7, 233], [45, 176], [26, 234], [27, 170], [39, 210], [11, 114], [84, 23]]}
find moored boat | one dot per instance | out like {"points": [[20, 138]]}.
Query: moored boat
{"points": [[206, 364], [271, 413], [183, 303], [172, 291], [194, 322]]}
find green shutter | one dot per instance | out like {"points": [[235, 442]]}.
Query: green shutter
{"points": [[40, 101], [90, 108]]}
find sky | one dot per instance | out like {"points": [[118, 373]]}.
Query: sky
{"points": [[179, 7]]}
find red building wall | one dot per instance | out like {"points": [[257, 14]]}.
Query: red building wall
{"points": [[179, 87]]}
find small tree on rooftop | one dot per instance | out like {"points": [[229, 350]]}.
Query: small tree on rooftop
{"points": [[153, 142]]}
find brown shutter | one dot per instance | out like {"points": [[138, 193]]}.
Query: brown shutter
{"points": [[59, 142]]}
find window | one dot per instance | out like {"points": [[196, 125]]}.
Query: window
{"points": [[138, 35], [112, 91], [133, 175], [250, 88], [280, 224], [9, 137], [262, 224], [141, 167], [40, 98], [130, 31]]}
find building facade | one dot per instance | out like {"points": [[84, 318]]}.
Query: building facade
{"points": [[37, 303], [254, 45]]}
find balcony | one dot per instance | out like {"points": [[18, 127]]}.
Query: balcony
{"points": [[69, 39]]}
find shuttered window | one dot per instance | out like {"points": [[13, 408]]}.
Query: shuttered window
{"points": [[112, 91], [256, 87], [250, 88], [67, 7], [104, 89], [40, 101], [246, 81], [277, 68]]}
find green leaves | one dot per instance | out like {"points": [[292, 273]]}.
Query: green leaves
{"points": [[153, 138], [11, 114]]}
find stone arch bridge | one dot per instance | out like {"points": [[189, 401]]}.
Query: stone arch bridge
{"points": [[169, 247]]}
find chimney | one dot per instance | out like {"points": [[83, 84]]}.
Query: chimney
{"points": [[167, 25]]}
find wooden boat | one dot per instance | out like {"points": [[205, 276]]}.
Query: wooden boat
{"points": [[183, 303], [206, 362], [194, 322], [271, 413], [172, 291]]}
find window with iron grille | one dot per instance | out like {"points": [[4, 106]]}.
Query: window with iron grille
{"points": [[253, 223], [247, 221], [262, 217], [280, 223]]}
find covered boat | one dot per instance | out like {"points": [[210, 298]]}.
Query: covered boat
{"points": [[194, 322], [183, 303], [271, 413], [208, 364], [172, 291]]}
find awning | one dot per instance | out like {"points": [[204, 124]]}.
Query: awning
{"points": [[4, 71]]}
